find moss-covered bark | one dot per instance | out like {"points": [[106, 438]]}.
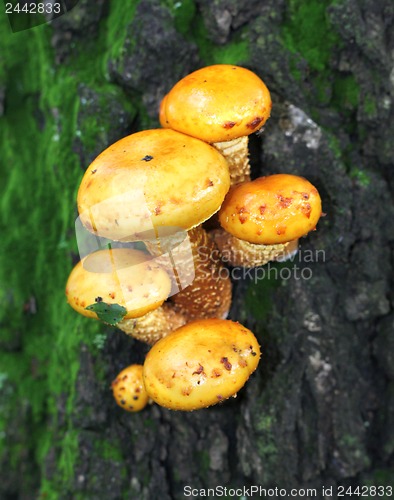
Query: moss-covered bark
{"points": [[320, 409]]}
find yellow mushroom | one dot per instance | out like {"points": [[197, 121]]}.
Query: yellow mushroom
{"points": [[220, 104], [261, 218], [154, 186], [200, 364], [128, 389], [128, 280], [152, 181]]}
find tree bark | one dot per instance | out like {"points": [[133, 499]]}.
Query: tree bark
{"points": [[319, 411]]}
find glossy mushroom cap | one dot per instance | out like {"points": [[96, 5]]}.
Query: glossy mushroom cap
{"points": [[151, 180], [121, 276], [200, 364], [217, 103], [271, 210], [129, 390]]}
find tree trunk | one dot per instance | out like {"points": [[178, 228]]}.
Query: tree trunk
{"points": [[319, 411]]}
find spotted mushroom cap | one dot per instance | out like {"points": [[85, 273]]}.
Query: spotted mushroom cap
{"points": [[200, 364], [152, 180], [129, 390], [271, 210], [217, 103], [122, 276]]}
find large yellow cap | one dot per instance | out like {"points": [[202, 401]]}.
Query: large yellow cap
{"points": [[271, 210], [122, 276], [217, 103], [200, 364], [151, 180]]}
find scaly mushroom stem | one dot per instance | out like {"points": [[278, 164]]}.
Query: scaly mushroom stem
{"points": [[154, 325], [290, 251], [236, 252], [209, 294], [237, 156]]}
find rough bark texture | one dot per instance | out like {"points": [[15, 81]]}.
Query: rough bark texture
{"points": [[319, 411]]}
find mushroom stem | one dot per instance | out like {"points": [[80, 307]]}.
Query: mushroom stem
{"points": [[209, 294], [237, 155], [154, 325], [289, 252], [237, 252]]}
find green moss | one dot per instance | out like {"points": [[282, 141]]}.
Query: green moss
{"points": [[68, 456], [149, 423], [354, 448], [265, 423], [370, 107], [360, 176], [40, 175], [334, 144], [236, 51], [308, 35], [204, 462], [345, 92], [108, 450], [380, 477], [183, 12], [306, 31], [294, 66], [266, 445], [258, 298], [114, 30]]}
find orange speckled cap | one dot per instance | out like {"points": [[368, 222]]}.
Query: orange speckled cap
{"points": [[121, 276], [149, 180], [129, 390], [217, 103], [200, 364], [271, 210]]}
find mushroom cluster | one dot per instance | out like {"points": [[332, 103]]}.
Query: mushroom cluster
{"points": [[155, 272]]}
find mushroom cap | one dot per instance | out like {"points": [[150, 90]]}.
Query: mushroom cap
{"points": [[121, 276], [217, 103], [271, 210], [200, 364], [129, 390], [150, 180]]}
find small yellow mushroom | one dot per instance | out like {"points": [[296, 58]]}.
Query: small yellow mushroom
{"points": [[128, 389], [128, 279]]}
